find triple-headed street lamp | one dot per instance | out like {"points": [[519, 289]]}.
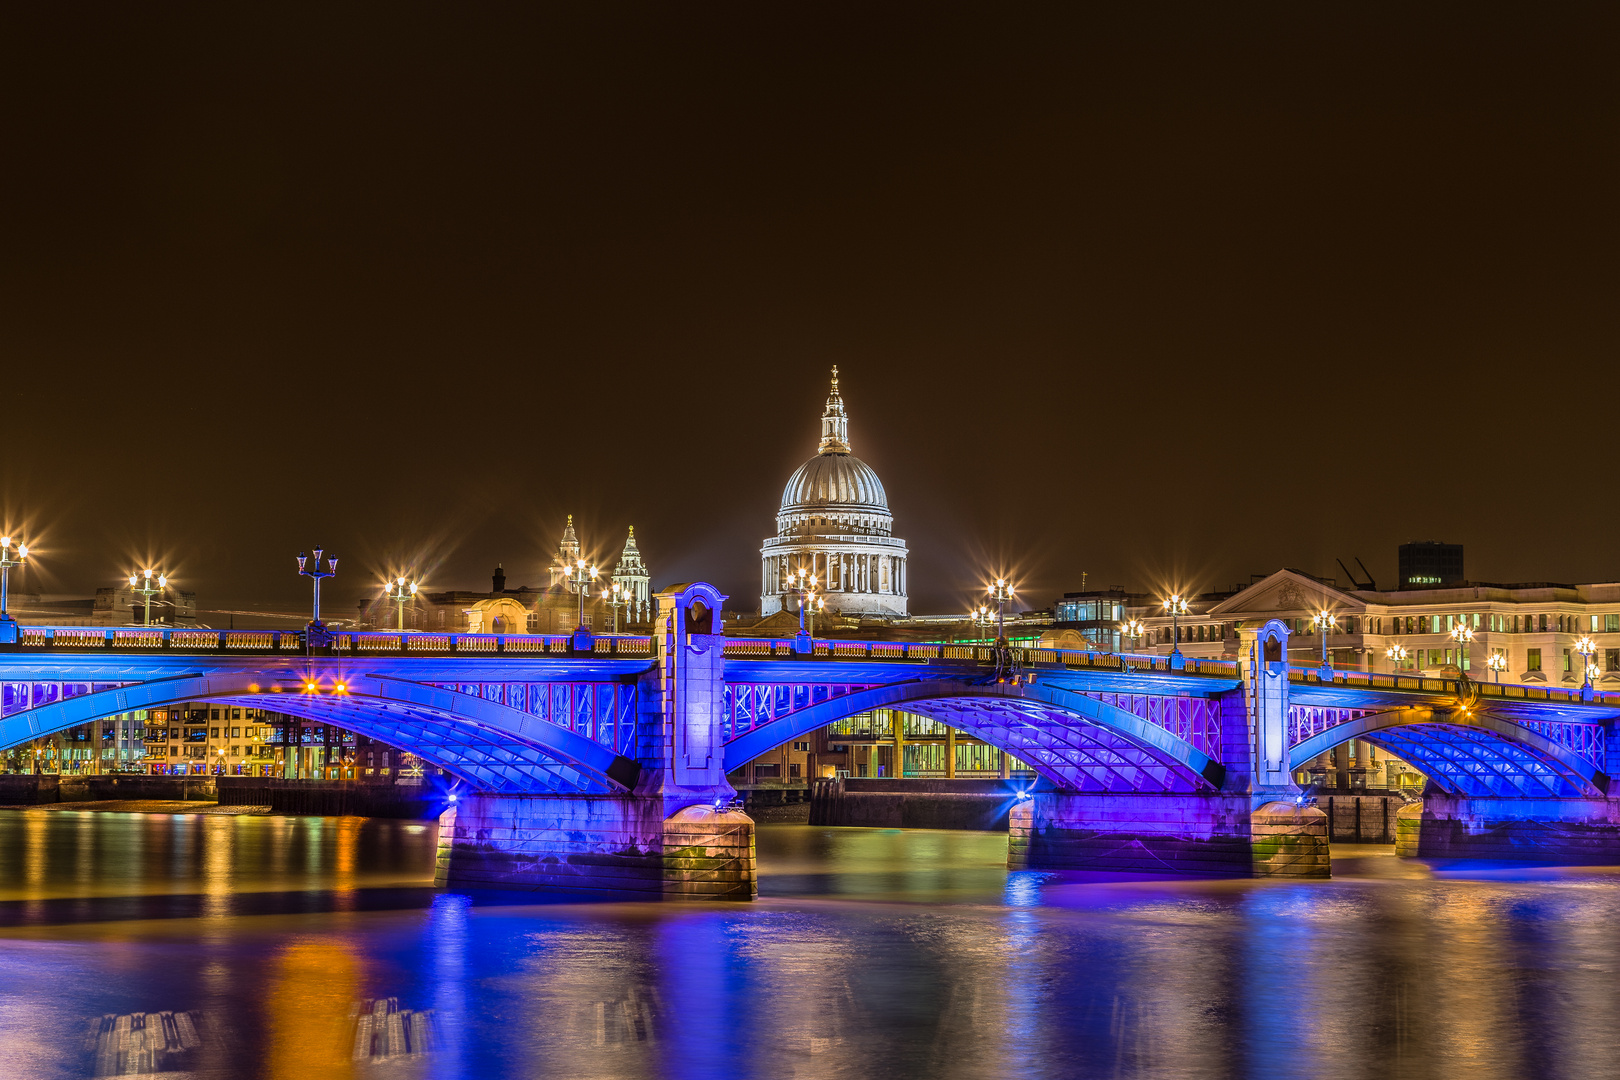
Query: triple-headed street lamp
{"points": [[804, 583], [1397, 655], [141, 585], [1177, 607], [579, 577], [1001, 592], [1497, 663], [1588, 648], [312, 569], [1133, 629], [617, 599], [983, 619], [1463, 635], [401, 592]]}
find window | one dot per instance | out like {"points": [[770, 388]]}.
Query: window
{"points": [[803, 747], [236, 714], [767, 772], [213, 733], [1611, 623], [1567, 666], [236, 751], [213, 714], [174, 751], [1543, 625], [795, 771], [1532, 660], [236, 733], [1611, 659]]}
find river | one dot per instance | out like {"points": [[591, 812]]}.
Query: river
{"points": [[307, 948]]}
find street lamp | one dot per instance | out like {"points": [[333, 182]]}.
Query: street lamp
{"points": [[1324, 622], [141, 585], [1498, 664], [1001, 592], [804, 583], [313, 570], [1133, 628], [617, 599], [1177, 607], [579, 577], [982, 618], [1397, 655], [1462, 634], [400, 592], [1588, 648], [8, 559]]}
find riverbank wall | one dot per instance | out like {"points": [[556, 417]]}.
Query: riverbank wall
{"points": [[21, 789], [332, 798], [895, 803]]}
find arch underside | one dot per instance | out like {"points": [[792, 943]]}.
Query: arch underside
{"points": [[1076, 742], [1475, 759], [489, 746]]}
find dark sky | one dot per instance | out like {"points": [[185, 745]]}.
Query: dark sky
{"points": [[1165, 294]]}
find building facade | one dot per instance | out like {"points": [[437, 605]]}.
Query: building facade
{"points": [[834, 523]]}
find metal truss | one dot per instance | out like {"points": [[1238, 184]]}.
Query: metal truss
{"points": [[1195, 720], [604, 712], [1305, 721], [748, 706]]}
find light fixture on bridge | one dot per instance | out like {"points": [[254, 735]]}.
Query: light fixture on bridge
{"points": [[9, 557], [579, 577], [1177, 607], [142, 585], [983, 618], [1587, 646], [311, 568], [617, 599], [1397, 655], [805, 584], [1497, 663], [1133, 629], [1324, 621], [401, 592], [1463, 635]]}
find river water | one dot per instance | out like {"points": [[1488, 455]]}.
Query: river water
{"points": [[307, 948]]}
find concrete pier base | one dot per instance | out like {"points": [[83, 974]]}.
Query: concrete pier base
{"points": [[1568, 831], [1191, 835], [608, 847]]}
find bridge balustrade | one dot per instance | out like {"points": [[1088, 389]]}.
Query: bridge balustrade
{"points": [[352, 642]]}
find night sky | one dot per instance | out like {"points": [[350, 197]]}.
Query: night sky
{"points": [[1166, 294]]}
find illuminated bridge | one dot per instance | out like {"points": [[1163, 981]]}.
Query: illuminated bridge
{"points": [[600, 763]]}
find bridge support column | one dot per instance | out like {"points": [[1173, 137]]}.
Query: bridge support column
{"points": [[673, 835], [1567, 831]]}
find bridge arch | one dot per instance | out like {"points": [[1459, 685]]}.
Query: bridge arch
{"points": [[1075, 741], [1467, 752], [491, 746]]}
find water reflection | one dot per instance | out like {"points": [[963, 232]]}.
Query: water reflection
{"points": [[307, 948]]}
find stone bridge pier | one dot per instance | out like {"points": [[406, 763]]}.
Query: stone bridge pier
{"points": [[1238, 818], [668, 834]]}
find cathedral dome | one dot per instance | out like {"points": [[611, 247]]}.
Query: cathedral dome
{"points": [[829, 481]]}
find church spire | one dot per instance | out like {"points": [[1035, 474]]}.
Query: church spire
{"points": [[834, 422]]}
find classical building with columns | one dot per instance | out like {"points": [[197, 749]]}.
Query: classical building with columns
{"points": [[835, 523]]}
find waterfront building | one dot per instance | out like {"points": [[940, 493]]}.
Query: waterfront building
{"points": [[834, 522]]}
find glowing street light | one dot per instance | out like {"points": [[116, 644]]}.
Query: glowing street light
{"points": [[9, 557], [1177, 607], [1133, 629], [141, 585], [401, 592], [579, 577], [804, 583], [1324, 621], [982, 618], [1397, 655], [1588, 648], [1498, 664], [617, 599], [1001, 592], [1462, 634]]}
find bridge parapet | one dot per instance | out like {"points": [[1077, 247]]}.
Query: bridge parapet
{"points": [[355, 643], [836, 649]]}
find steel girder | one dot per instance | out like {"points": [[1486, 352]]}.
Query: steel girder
{"points": [[491, 745], [1468, 753], [1076, 741]]}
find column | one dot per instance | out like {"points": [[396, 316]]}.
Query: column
{"points": [[1006, 766], [897, 719], [950, 753]]}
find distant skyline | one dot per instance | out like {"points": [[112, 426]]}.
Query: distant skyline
{"points": [[1166, 296]]}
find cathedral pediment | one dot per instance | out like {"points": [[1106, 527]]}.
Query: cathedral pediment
{"points": [[1287, 592]]}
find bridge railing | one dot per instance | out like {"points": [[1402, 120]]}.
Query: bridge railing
{"points": [[833, 649], [358, 643], [1383, 680]]}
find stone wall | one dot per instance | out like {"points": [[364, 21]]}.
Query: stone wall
{"points": [[602, 846], [894, 803], [1566, 831]]}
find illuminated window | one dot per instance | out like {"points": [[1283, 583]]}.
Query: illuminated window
{"points": [[1532, 660]]}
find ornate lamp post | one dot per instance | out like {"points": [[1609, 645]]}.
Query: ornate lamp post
{"points": [[579, 578], [313, 570], [982, 619], [141, 585], [1588, 648], [9, 557], [617, 599], [1001, 592], [400, 592], [1324, 622], [1133, 629], [1498, 664], [1397, 655], [1177, 607], [1462, 635]]}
